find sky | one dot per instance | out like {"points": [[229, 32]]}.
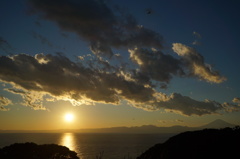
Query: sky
{"points": [[118, 63]]}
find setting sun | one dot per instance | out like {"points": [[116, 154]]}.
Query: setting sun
{"points": [[69, 117]]}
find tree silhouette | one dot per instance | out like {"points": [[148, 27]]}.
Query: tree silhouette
{"points": [[34, 151]]}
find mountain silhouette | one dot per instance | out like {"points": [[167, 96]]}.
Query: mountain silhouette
{"points": [[207, 143], [218, 124]]}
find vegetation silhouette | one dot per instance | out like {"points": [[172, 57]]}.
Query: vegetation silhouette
{"points": [[34, 151], [207, 143]]}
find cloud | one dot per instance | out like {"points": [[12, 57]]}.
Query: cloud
{"points": [[66, 80], [5, 46], [31, 99], [196, 65], [188, 106], [236, 100], [179, 120], [98, 24], [196, 42], [156, 65], [43, 39], [4, 102], [196, 34], [40, 77], [176, 103], [162, 121]]}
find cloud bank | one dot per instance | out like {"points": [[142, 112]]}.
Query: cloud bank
{"points": [[37, 77]]}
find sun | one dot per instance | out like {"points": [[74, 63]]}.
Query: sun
{"points": [[69, 117]]}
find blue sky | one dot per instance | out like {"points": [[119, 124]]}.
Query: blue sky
{"points": [[115, 63]]}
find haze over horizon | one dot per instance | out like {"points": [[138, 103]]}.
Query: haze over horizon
{"points": [[69, 64]]}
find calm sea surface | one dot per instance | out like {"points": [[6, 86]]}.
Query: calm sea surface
{"points": [[88, 146]]}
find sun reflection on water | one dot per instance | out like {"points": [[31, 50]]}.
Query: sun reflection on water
{"points": [[68, 140]]}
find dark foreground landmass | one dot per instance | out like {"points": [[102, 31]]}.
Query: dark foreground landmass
{"points": [[208, 143], [34, 151]]}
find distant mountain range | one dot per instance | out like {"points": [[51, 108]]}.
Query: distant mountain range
{"points": [[145, 129], [216, 124]]}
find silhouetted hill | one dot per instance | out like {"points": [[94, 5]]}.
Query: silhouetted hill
{"points": [[207, 143], [34, 151]]}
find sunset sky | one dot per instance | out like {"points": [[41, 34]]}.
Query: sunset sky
{"points": [[114, 63]]}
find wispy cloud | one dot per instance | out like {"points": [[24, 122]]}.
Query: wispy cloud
{"points": [[31, 99], [196, 34], [42, 39], [196, 65], [196, 42], [5, 46], [4, 102], [179, 120]]}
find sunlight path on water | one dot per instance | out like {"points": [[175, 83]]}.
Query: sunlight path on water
{"points": [[68, 140]]}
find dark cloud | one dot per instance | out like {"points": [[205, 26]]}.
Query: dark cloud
{"points": [[156, 65], [176, 103], [188, 106], [34, 77], [4, 102], [97, 23], [64, 79]]}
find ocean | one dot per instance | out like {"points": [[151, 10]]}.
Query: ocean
{"points": [[88, 146]]}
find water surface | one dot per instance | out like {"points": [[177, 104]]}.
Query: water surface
{"points": [[88, 146]]}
